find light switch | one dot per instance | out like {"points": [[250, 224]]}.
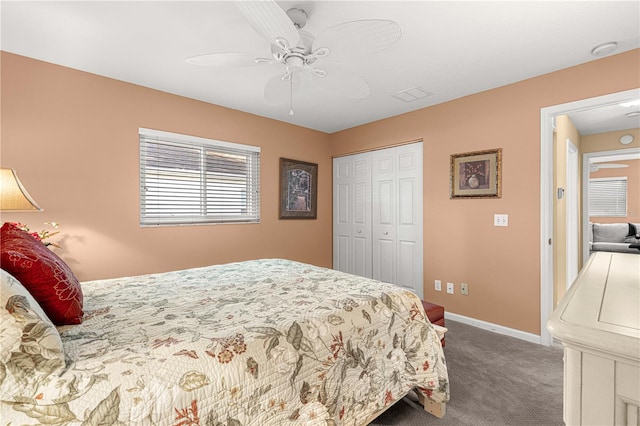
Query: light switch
{"points": [[500, 220]]}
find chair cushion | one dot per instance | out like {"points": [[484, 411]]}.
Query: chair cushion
{"points": [[434, 312]]}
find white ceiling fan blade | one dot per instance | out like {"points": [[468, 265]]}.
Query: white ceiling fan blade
{"points": [[278, 91], [597, 166], [343, 82], [358, 37], [228, 59], [270, 21]]}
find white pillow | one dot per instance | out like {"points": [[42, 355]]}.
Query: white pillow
{"points": [[30, 345]]}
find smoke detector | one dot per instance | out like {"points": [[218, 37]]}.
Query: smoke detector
{"points": [[604, 49]]}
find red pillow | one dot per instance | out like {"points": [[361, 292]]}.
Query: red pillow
{"points": [[43, 273]]}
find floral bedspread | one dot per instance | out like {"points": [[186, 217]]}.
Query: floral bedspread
{"points": [[264, 342]]}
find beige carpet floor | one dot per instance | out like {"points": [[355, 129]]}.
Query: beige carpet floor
{"points": [[495, 380]]}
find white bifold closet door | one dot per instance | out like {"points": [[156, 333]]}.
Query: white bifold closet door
{"points": [[377, 215], [352, 215]]}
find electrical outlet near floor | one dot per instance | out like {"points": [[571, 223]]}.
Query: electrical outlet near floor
{"points": [[464, 289], [450, 288], [438, 285]]}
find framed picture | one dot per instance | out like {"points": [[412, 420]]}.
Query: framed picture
{"points": [[476, 174], [298, 189]]}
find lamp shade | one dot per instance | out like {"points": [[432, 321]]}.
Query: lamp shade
{"points": [[13, 196]]}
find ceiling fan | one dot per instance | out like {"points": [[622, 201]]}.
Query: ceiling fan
{"points": [[303, 56], [594, 167]]}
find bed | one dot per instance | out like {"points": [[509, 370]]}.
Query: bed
{"points": [[261, 342]]}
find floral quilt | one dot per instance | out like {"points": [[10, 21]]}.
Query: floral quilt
{"points": [[264, 342]]}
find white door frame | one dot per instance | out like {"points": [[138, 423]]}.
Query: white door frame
{"points": [[573, 212], [547, 193]]}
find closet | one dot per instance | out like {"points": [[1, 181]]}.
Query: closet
{"points": [[377, 215]]}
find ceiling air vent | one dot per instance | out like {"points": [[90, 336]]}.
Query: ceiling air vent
{"points": [[412, 94]]}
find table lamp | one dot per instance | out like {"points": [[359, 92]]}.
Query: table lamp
{"points": [[13, 195]]}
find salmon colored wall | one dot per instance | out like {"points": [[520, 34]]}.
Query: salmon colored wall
{"points": [[73, 139], [72, 136], [501, 265], [609, 141]]}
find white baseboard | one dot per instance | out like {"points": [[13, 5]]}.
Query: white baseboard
{"points": [[500, 329]]}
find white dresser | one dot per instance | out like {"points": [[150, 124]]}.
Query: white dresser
{"points": [[598, 322]]}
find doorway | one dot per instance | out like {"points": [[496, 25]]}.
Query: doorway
{"points": [[547, 194]]}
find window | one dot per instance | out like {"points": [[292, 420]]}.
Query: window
{"points": [[608, 197], [189, 180]]}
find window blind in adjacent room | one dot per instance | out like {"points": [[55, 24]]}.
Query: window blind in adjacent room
{"points": [[608, 197], [190, 180]]}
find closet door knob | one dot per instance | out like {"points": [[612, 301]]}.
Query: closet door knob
{"points": [[359, 231], [386, 233]]}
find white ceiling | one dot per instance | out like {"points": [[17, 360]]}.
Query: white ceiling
{"points": [[448, 48], [606, 119]]}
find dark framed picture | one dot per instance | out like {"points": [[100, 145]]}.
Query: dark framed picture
{"points": [[298, 189], [476, 174]]}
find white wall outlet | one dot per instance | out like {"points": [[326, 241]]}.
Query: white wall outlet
{"points": [[464, 289], [500, 220], [450, 288], [438, 285]]}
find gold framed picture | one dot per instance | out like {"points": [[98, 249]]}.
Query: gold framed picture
{"points": [[298, 189], [476, 174]]}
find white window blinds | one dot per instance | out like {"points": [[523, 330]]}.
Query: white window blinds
{"points": [[608, 197], [187, 180]]}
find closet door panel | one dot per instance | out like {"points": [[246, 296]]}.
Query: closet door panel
{"points": [[384, 203], [361, 215], [384, 215], [342, 205], [409, 227], [408, 253], [341, 253], [406, 265], [361, 257], [352, 215], [384, 263], [341, 215], [406, 195]]}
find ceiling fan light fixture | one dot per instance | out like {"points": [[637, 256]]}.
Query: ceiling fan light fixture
{"points": [[294, 63], [604, 49], [298, 17]]}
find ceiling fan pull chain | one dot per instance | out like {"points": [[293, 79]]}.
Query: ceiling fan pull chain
{"points": [[291, 96]]}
